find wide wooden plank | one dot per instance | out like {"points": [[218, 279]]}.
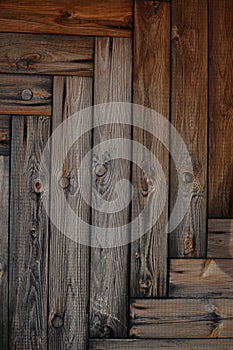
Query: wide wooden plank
{"points": [[151, 89], [46, 54], [69, 260], [4, 268], [220, 238], [201, 278], [26, 95], [221, 109], [28, 255], [109, 267], [189, 103], [182, 318], [76, 17], [5, 125]]}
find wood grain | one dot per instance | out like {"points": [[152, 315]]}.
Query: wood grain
{"points": [[4, 246], [28, 256], [201, 278], [150, 88], [77, 17], [189, 102], [220, 238], [5, 126], [69, 260], [14, 99], [46, 54], [109, 267], [220, 109]]}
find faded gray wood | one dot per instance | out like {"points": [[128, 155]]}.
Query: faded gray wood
{"points": [[189, 102], [46, 54], [220, 238], [109, 267], [5, 125], [69, 260], [151, 89], [4, 268], [28, 255]]}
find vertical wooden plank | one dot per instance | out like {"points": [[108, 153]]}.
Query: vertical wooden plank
{"points": [[4, 194], [189, 116], [28, 236], [151, 89], [69, 260], [220, 201], [109, 267]]}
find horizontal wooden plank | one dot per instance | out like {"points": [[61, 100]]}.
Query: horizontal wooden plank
{"points": [[25, 94], [182, 318], [76, 17], [5, 123], [46, 54], [220, 238], [211, 278]]}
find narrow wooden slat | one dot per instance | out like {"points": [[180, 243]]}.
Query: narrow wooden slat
{"points": [[4, 195], [5, 125], [189, 102], [151, 89], [220, 238], [36, 100], [109, 267], [28, 253], [69, 260], [77, 17], [46, 54], [201, 278], [220, 201]]}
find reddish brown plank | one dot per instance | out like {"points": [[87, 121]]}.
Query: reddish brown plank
{"points": [[5, 125], [220, 238]]}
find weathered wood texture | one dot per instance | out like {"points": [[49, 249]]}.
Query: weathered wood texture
{"points": [[5, 125], [46, 54], [69, 260], [220, 109], [109, 267], [220, 238], [201, 278], [26, 95], [151, 89], [76, 17], [189, 103], [4, 267], [28, 255]]}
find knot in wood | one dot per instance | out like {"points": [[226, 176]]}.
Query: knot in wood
{"points": [[26, 95], [100, 170], [187, 177], [108, 332], [57, 321], [64, 182], [33, 232], [37, 185]]}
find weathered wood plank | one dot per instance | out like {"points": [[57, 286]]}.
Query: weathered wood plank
{"points": [[69, 260], [201, 278], [189, 103], [151, 89], [28, 255], [77, 17], [220, 238], [4, 268], [46, 54], [26, 95], [220, 201], [109, 267], [5, 125]]}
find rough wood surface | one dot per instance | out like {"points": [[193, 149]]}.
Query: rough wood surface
{"points": [[69, 260], [220, 238], [4, 268], [221, 109], [26, 95], [28, 259], [189, 100], [5, 125], [151, 89], [201, 278], [109, 267], [46, 54], [76, 17]]}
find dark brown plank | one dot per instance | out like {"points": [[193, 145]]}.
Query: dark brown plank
{"points": [[109, 266], [151, 89], [26, 95], [220, 238], [69, 260], [46, 54], [189, 115], [5, 125], [28, 257], [77, 17], [220, 201], [4, 268]]}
